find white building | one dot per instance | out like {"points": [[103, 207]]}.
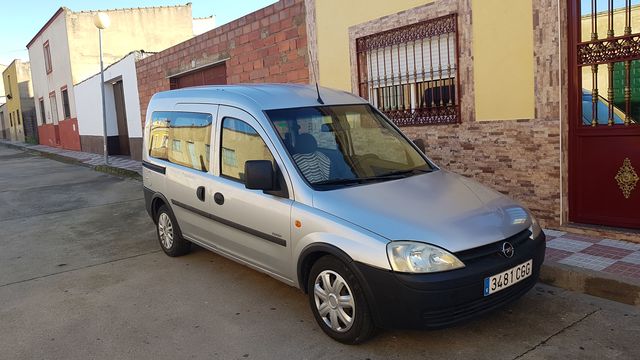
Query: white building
{"points": [[124, 129], [65, 52], [203, 24]]}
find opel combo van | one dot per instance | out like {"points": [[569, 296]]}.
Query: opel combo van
{"points": [[318, 189]]}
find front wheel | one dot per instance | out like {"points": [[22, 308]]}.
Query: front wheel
{"points": [[338, 303]]}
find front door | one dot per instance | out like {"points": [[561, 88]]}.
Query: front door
{"points": [[121, 117], [604, 113], [250, 224]]}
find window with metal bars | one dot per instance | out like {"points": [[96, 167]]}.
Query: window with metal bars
{"points": [[411, 73], [608, 54]]}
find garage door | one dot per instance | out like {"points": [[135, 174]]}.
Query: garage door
{"points": [[214, 75]]}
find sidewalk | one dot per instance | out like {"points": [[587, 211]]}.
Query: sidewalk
{"points": [[119, 165], [608, 268]]}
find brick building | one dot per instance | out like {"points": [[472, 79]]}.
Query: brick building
{"points": [[268, 45]]}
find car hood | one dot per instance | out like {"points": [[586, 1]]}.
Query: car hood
{"points": [[440, 208]]}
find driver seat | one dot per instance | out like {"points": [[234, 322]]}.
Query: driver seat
{"points": [[313, 164]]}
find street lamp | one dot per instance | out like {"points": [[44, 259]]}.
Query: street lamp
{"points": [[101, 21]]}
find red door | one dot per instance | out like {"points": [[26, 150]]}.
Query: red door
{"points": [[214, 75], [604, 113]]}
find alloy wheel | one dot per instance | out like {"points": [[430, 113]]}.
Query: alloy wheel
{"points": [[165, 231]]}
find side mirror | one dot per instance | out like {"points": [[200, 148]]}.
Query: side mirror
{"points": [[420, 144], [259, 175]]}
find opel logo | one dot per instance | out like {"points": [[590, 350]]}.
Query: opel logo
{"points": [[507, 250]]}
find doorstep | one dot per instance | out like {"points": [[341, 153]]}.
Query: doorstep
{"points": [[595, 265], [602, 231]]}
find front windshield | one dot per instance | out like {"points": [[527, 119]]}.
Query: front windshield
{"points": [[345, 144]]}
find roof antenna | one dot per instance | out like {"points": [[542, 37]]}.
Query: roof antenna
{"points": [[318, 91], [313, 71]]}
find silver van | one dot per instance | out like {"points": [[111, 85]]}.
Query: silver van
{"points": [[318, 189]]}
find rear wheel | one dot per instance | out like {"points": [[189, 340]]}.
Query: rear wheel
{"points": [[338, 303], [169, 235]]}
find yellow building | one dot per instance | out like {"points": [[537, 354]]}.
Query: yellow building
{"points": [[335, 33], [502, 91], [20, 108]]}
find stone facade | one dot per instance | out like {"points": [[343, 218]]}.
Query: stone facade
{"points": [[520, 158], [269, 45]]}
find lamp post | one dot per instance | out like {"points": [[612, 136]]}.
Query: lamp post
{"points": [[101, 21]]}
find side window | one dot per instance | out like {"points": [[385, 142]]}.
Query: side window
{"points": [[240, 142], [54, 107], [182, 138], [47, 57], [65, 104], [42, 113]]}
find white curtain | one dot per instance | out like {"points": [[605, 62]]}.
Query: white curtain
{"points": [[394, 65]]}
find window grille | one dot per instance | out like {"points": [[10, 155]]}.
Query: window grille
{"points": [[411, 73]]}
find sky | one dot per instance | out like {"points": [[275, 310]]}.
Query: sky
{"points": [[20, 20], [602, 5]]}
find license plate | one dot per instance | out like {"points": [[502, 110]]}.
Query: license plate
{"points": [[497, 282]]}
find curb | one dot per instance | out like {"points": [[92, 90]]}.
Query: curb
{"points": [[624, 290], [117, 171], [111, 170]]}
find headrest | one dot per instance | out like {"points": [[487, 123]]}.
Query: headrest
{"points": [[306, 144]]}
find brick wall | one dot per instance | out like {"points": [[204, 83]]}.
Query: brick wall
{"points": [[520, 158], [268, 45]]}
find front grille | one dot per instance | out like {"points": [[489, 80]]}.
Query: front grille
{"points": [[493, 249], [460, 312]]}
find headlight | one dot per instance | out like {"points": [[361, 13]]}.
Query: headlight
{"points": [[534, 228], [417, 257]]}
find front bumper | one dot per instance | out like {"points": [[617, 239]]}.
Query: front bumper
{"points": [[437, 300]]}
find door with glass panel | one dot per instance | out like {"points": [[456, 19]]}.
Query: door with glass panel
{"points": [[252, 225], [604, 112], [182, 140]]}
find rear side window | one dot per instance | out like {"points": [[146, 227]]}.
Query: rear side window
{"points": [[183, 138], [240, 142]]}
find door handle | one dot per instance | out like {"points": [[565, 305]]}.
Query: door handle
{"points": [[218, 198], [200, 193]]}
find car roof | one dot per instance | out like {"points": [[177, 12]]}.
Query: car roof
{"points": [[260, 96]]}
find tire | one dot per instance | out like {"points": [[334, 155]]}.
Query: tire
{"points": [[169, 235], [348, 321]]}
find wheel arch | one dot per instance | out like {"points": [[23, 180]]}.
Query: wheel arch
{"points": [[312, 252], [154, 201]]}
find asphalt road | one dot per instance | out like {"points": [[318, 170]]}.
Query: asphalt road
{"points": [[82, 277]]}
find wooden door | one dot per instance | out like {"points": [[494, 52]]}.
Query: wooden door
{"points": [[604, 112], [121, 118], [214, 75]]}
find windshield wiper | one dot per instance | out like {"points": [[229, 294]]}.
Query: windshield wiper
{"points": [[357, 180], [413, 171], [389, 176]]}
